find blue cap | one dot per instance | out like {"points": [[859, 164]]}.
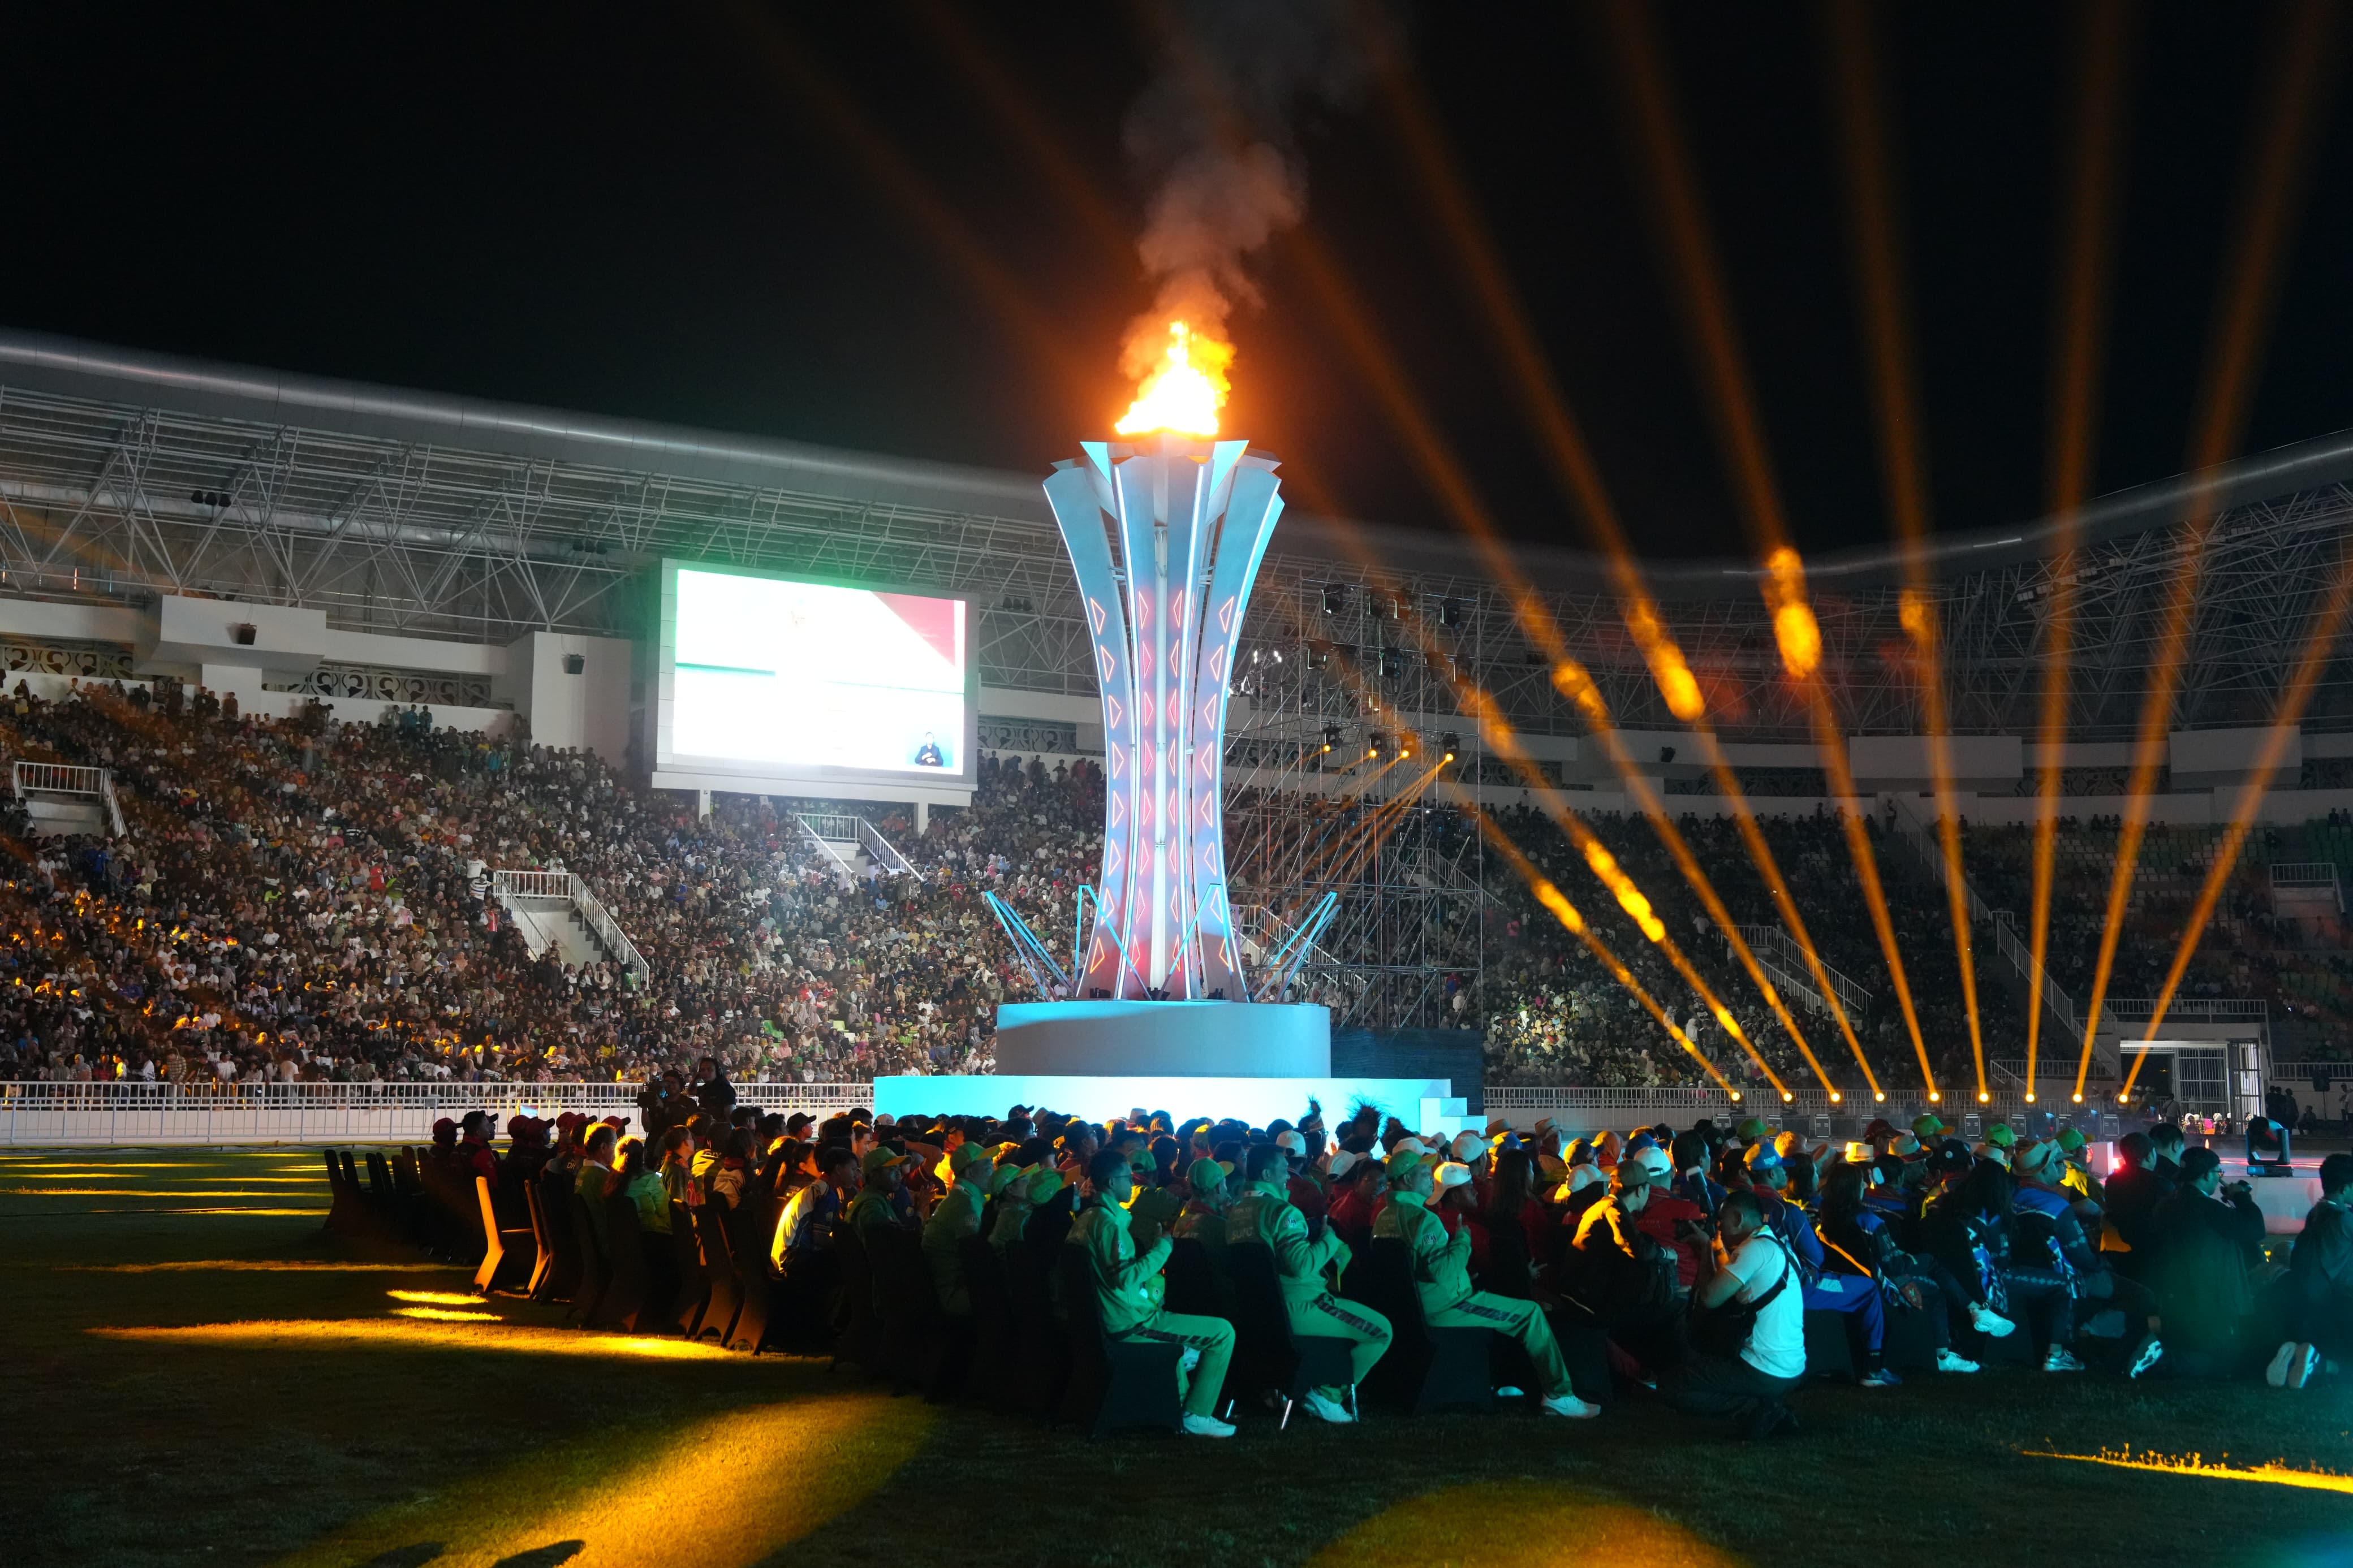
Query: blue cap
{"points": [[1761, 1158], [1641, 1141]]}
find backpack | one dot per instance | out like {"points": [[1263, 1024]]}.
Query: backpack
{"points": [[1724, 1331]]}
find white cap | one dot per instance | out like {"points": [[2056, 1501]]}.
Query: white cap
{"points": [[1451, 1174], [1408, 1146], [1467, 1145], [1287, 1138], [1652, 1162], [1344, 1161], [1583, 1176]]}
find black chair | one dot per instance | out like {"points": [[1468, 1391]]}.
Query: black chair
{"points": [[596, 1272], [693, 1295], [347, 1206], [994, 1377], [719, 1269], [1427, 1368], [803, 1301], [1828, 1354], [623, 1304], [1115, 1386], [1267, 1355], [1045, 1346], [562, 1281], [1197, 1285], [751, 1230], [858, 1329], [922, 1347], [542, 1242], [504, 1254]]}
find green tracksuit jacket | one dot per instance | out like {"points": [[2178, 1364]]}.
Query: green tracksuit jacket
{"points": [[1264, 1213], [954, 1217], [1128, 1287], [1441, 1266]]}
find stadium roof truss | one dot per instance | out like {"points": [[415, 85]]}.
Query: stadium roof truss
{"points": [[110, 501]]}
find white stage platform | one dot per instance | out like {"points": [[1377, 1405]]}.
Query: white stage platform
{"points": [[1175, 1039], [1428, 1105]]}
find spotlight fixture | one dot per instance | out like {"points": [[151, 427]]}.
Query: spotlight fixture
{"points": [[1392, 663], [1335, 598], [1450, 612], [1449, 743], [1983, 1097], [1331, 736], [1879, 1094]]}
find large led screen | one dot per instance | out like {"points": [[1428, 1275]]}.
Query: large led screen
{"points": [[811, 679]]}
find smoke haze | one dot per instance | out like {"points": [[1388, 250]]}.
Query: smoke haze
{"points": [[1214, 132]]}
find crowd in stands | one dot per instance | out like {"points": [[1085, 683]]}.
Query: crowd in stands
{"points": [[1719, 1266], [302, 899]]}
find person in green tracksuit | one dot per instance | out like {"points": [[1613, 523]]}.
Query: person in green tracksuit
{"points": [[1018, 1198], [1129, 1290], [955, 1218], [1264, 1215], [871, 1209], [1443, 1282]]}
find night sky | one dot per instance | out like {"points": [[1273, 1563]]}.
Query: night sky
{"points": [[823, 226]]}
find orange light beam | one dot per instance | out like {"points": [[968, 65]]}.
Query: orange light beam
{"points": [[1573, 920], [1579, 476], [1733, 406], [1800, 638], [1886, 313], [2085, 264], [2319, 645], [1452, 486], [838, 114], [1503, 740], [2303, 68]]}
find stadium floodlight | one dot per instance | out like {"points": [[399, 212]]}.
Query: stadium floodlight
{"points": [[1165, 535]]}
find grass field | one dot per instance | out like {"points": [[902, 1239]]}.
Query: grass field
{"points": [[194, 1376]]}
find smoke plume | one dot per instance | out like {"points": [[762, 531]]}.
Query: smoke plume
{"points": [[1215, 134]]}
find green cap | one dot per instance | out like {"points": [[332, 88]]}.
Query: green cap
{"points": [[1752, 1129], [1045, 1184], [966, 1157], [878, 1157], [1925, 1127], [1003, 1177], [1999, 1132], [2071, 1141], [1405, 1162], [1206, 1175]]}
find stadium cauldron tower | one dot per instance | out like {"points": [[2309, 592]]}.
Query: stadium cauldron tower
{"points": [[1164, 536]]}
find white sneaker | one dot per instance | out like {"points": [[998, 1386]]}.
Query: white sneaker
{"points": [[1570, 1406], [1951, 1359], [1990, 1322], [1324, 1408], [2145, 1360], [1505, 1391], [2300, 1371], [2276, 1372], [1207, 1426], [2061, 1359]]}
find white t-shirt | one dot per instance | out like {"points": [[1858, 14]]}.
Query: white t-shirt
{"points": [[1776, 1345]]}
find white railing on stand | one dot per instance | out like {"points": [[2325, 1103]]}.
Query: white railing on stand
{"points": [[136, 1112], [573, 888], [69, 778], [1774, 943]]}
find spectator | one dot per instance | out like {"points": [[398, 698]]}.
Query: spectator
{"points": [[1749, 1349]]}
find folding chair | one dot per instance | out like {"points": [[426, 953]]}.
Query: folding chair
{"points": [[858, 1329], [1267, 1355], [1115, 1386], [1425, 1368], [1045, 1346], [996, 1343], [542, 1242], [751, 1227], [596, 1272], [622, 1306], [693, 1278], [719, 1269], [495, 1241]]}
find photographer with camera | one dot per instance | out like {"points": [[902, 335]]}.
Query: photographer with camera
{"points": [[1748, 1335], [2207, 1236]]}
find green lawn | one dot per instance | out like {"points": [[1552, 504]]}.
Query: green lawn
{"points": [[303, 1419]]}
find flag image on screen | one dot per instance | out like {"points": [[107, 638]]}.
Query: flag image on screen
{"points": [[808, 675]]}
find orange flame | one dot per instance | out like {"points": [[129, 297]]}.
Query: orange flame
{"points": [[1184, 391]]}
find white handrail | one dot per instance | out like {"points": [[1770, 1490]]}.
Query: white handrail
{"points": [[885, 855], [574, 890], [2211, 1009], [842, 868], [1763, 940], [69, 778]]}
